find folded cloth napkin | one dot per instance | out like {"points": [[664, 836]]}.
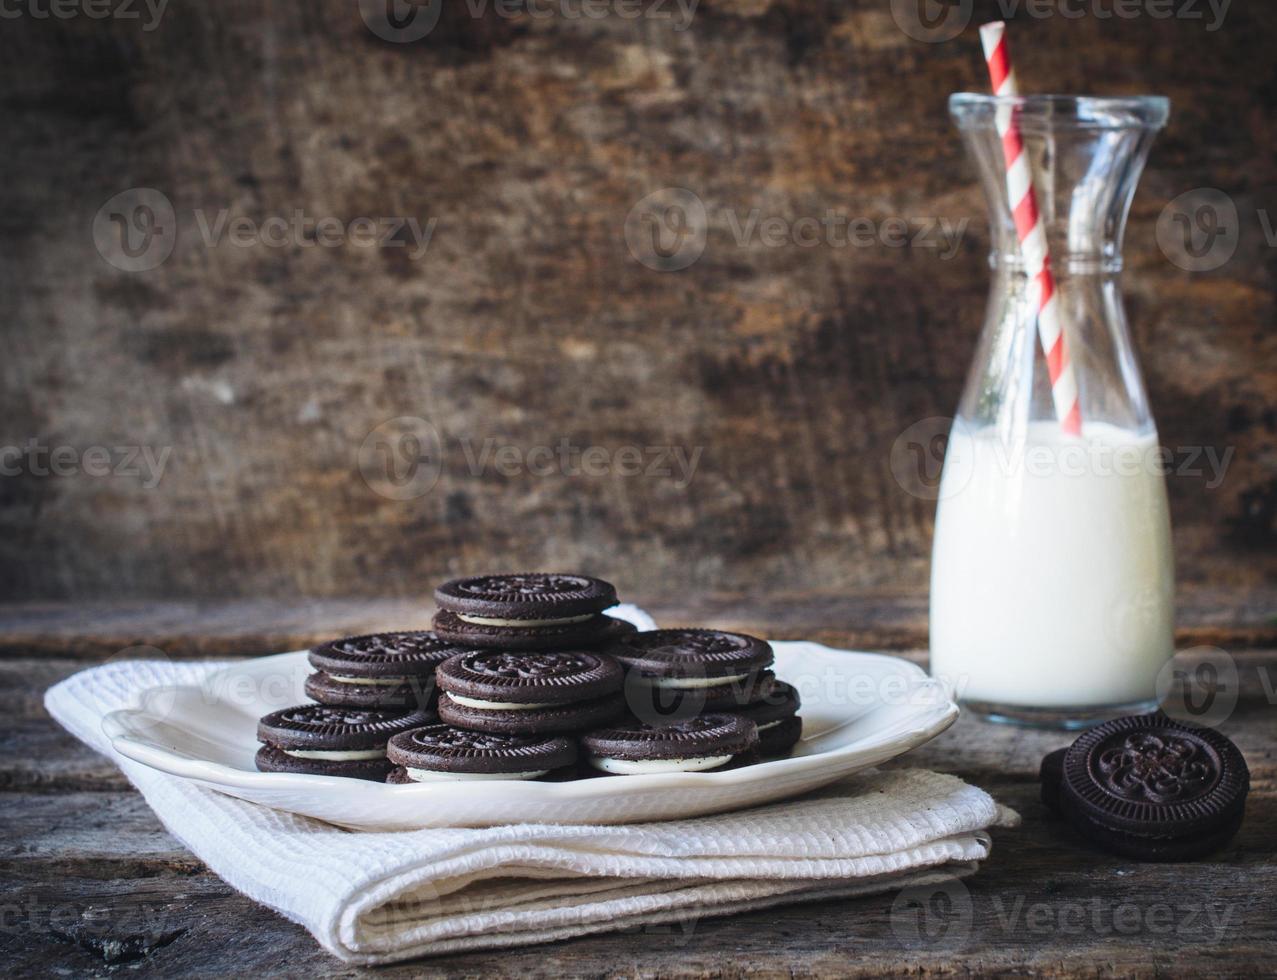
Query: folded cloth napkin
{"points": [[379, 897]]}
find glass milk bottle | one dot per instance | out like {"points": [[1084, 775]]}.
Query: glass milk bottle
{"points": [[1052, 576]]}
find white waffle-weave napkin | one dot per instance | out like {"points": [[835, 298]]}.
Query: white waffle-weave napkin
{"points": [[379, 897]]}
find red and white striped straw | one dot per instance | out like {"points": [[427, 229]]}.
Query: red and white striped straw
{"points": [[1031, 231]]}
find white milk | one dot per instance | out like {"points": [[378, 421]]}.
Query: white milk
{"points": [[1052, 577]]}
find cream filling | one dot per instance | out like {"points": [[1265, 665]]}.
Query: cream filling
{"points": [[499, 705], [628, 767], [371, 681], [693, 683], [491, 621], [770, 724], [432, 776], [337, 756]]}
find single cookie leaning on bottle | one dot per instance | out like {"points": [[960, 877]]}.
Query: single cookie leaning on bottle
{"points": [[1150, 788], [711, 670], [708, 742], [533, 692], [379, 670], [442, 753], [527, 611], [326, 740]]}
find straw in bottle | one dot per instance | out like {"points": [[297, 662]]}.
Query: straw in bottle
{"points": [[1031, 232]]}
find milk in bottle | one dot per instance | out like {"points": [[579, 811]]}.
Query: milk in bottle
{"points": [[1052, 573]]}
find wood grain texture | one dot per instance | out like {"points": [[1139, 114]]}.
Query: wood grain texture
{"points": [[1233, 619], [791, 370], [92, 885]]}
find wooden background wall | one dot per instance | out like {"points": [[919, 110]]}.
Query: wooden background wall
{"points": [[262, 370]]}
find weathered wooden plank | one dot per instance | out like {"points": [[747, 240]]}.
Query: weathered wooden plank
{"points": [[527, 321], [92, 883], [1229, 618], [123, 891], [110, 834], [1030, 909], [41, 756]]}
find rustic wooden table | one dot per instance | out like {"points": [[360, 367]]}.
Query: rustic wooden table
{"points": [[93, 885]]}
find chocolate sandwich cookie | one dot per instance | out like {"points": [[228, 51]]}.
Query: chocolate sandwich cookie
{"points": [[442, 753], [708, 742], [528, 611], [776, 717], [533, 693], [379, 670], [327, 740], [1150, 787], [677, 673]]}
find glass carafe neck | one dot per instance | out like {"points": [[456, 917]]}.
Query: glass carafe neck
{"points": [[1084, 156]]}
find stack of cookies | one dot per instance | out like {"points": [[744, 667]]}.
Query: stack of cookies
{"points": [[532, 681], [680, 674], [525, 677], [367, 688], [323, 740]]}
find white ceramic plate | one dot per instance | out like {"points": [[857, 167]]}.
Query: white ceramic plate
{"points": [[859, 710]]}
